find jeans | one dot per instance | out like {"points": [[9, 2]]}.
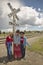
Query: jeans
{"points": [[9, 49], [22, 50]]}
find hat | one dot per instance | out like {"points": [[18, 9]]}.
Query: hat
{"points": [[22, 32]]}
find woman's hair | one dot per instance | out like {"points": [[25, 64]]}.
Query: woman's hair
{"points": [[17, 31]]}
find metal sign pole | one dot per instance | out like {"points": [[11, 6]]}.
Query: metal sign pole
{"points": [[14, 11], [14, 25]]}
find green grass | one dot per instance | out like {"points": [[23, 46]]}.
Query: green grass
{"points": [[2, 35], [37, 45]]}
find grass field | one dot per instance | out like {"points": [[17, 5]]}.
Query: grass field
{"points": [[2, 35], [37, 45], [28, 34]]}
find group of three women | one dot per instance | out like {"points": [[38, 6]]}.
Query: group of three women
{"points": [[19, 45]]}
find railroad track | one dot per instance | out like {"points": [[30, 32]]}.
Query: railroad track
{"points": [[2, 40]]}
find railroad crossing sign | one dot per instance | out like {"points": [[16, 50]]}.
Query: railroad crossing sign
{"points": [[14, 15], [11, 23], [14, 11]]}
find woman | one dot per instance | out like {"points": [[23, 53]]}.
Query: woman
{"points": [[9, 45], [16, 46], [23, 42]]}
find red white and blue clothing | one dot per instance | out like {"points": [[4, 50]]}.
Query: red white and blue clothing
{"points": [[23, 43], [17, 47]]}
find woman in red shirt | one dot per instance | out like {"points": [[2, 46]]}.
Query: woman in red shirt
{"points": [[9, 45]]}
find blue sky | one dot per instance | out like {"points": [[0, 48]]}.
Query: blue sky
{"points": [[31, 14], [35, 3]]}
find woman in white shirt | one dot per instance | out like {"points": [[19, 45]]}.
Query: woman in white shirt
{"points": [[16, 46]]}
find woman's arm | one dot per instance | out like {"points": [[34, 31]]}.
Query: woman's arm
{"points": [[26, 42]]}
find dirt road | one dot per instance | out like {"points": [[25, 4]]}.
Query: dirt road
{"points": [[32, 58], [33, 39]]}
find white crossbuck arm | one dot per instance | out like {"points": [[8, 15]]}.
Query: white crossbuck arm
{"points": [[10, 14], [17, 10], [16, 17], [11, 23], [10, 6]]}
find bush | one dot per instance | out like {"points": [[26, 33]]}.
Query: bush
{"points": [[0, 32]]}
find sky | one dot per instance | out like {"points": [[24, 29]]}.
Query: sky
{"points": [[30, 15]]}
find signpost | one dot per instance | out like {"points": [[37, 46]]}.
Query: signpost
{"points": [[13, 14]]}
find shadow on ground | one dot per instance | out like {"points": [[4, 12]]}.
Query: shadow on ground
{"points": [[4, 59]]}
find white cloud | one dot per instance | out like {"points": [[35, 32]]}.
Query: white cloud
{"points": [[27, 15], [39, 9], [30, 16], [41, 15], [28, 12], [7, 30]]}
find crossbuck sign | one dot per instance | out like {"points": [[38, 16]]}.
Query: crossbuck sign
{"points": [[13, 14]]}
